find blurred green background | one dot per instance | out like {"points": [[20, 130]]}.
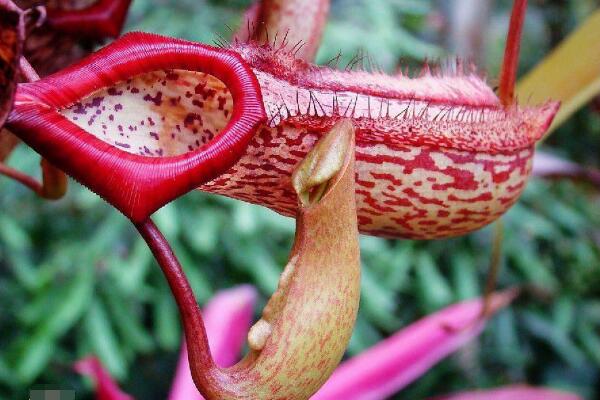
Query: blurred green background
{"points": [[76, 279]]}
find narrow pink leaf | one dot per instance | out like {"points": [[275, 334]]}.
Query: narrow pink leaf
{"points": [[521, 392], [547, 165], [394, 363], [106, 387], [227, 318]]}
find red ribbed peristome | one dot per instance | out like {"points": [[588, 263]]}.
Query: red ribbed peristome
{"points": [[135, 184]]}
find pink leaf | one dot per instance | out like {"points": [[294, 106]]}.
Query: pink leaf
{"points": [[547, 165], [521, 392], [106, 387], [397, 361], [227, 317]]}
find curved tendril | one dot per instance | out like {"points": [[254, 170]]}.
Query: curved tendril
{"points": [[54, 181]]}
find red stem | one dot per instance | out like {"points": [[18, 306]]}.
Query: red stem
{"points": [[508, 74], [54, 181], [31, 76], [103, 19], [24, 179], [27, 70], [191, 317]]}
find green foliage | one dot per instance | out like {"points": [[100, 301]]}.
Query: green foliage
{"points": [[75, 278]]}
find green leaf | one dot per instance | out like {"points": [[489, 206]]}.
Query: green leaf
{"points": [[397, 276], [166, 321], [363, 337], [131, 272], [557, 339], [464, 275], [380, 303], [103, 340], [36, 355], [128, 324], [12, 235], [432, 289], [194, 272], [590, 340]]}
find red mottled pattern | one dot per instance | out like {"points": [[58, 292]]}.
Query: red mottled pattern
{"points": [[437, 156], [402, 191]]}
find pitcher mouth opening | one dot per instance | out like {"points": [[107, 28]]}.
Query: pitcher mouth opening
{"points": [[157, 114], [144, 120]]}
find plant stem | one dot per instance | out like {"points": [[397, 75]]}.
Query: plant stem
{"points": [[103, 18], [510, 64], [22, 178], [54, 181], [495, 266], [189, 310], [28, 71]]}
